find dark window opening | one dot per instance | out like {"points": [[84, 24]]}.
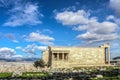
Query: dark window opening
{"points": [[65, 56], [55, 56], [60, 56]]}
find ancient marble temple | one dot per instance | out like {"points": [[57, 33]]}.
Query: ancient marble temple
{"points": [[67, 57]]}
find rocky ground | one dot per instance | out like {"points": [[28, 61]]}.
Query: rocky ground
{"points": [[17, 67]]}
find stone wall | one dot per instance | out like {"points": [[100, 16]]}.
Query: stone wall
{"points": [[45, 56], [80, 56], [87, 56], [77, 56]]}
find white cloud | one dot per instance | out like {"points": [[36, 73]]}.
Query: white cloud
{"points": [[110, 17], [115, 4], [102, 28], [80, 27], [17, 56], [93, 37], [72, 18], [18, 47], [94, 31], [38, 37], [23, 14], [113, 18], [33, 48], [29, 49], [41, 48], [7, 52]]}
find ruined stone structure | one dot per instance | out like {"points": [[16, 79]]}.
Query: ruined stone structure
{"points": [[67, 57]]}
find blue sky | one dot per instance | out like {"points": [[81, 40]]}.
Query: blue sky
{"points": [[28, 26]]}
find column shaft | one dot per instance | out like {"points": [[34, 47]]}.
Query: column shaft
{"points": [[53, 56], [105, 56], [108, 55], [62, 56], [57, 56]]}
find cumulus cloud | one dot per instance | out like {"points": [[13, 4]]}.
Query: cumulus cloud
{"points": [[33, 48], [94, 31], [7, 52], [29, 49], [93, 38], [115, 4], [38, 37], [72, 18], [99, 28], [110, 17], [23, 14], [114, 19], [97, 32]]}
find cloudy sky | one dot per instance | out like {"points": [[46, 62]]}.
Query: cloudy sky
{"points": [[28, 26]]}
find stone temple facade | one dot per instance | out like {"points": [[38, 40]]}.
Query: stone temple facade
{"points": [[68, 57]]}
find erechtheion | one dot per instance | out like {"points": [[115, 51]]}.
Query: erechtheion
{"points": [[65, 57]]}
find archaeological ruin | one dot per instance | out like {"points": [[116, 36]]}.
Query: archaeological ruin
{"points": [[68, 57]]}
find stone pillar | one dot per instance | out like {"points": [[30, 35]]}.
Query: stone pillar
{"points": [[109, 55], [105, 56], [107, 48], [67, 57], [53, 56], [63, 56], [57, 56]]}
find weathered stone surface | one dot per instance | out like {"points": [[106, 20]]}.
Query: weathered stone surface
{"points": [[18, 67], [58, 57], [45, 56]]}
